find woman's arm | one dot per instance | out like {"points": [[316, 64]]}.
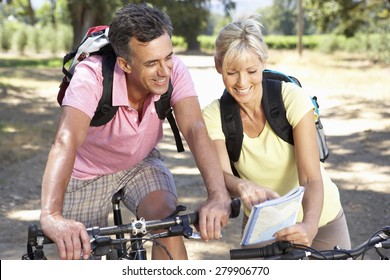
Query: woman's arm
{"points": [[308, 165]]}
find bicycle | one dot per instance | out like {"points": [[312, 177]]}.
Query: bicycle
{"points": [[111, 242], [284, 250]]}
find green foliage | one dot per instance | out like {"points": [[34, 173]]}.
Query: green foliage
{"points": [[281, 17], [21, 62], [53, 13], [220, 24], [179, 42], [57, 40], [375, 47], [66, 35], [35, 40], [290, 42], [21, 39], [189, 18], [366, 20], [8, 29], [5, 38], [331, 43], [207, 43], [281, 42], [346, 17]]}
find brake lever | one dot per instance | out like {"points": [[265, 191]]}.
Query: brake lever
{"points": [[195, 236]]}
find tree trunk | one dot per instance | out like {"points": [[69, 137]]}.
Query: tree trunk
{"points": [[31, 13], [82, 18], [192, 43], [300, 27], [52, 12]]}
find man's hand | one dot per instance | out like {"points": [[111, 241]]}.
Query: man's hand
{"points": [[71, 237], [213, 216]]}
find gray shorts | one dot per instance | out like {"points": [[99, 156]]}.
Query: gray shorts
{"points": [[89, 201]]}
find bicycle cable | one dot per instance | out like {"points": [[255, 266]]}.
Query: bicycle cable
{"points": [[368, 242], [310, 249], [159, 244]]}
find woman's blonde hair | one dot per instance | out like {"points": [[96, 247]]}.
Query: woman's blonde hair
{"points": [[238, 37]]}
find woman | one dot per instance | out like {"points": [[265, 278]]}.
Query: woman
{"points": [[268, 166]]}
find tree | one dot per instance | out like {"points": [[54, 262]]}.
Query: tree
{"points": [[281, 17], [300, 26], [87, 13], [22, 9], [189, 17], [52, 12], [342, 16]]}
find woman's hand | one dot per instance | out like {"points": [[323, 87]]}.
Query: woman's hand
{"points": [[252, 194], [300, 233]]}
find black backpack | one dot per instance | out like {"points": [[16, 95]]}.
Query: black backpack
{"points": [[275, 113], [95, 42]]}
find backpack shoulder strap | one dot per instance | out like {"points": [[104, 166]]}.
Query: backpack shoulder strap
{"points": [[163, 105], [105, 111], [164, 110], [231, 125], [275, 111], [279, 76]]}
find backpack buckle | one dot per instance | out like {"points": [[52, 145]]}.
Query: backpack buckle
{"points": [[274, 112], [105, 108]]}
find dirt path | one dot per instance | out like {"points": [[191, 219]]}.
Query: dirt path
{"points": [[354, 98]]}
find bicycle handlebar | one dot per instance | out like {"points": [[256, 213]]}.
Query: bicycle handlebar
{"points": [[136, 227], [283, 250]]}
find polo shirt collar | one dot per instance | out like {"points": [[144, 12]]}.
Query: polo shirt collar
{"points": [[119, 88]]}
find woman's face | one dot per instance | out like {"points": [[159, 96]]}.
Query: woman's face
{"points": [[243, 77]]}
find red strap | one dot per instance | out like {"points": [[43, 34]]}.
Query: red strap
{"points": [[61, 92], [96, 29]]}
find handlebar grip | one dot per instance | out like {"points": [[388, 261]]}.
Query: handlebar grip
{"points": [[235, 212], [34, 233], [274, 249], [193, 218], [385, 244], [236, 206]]}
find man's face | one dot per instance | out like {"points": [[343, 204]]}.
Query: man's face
{"points": [[151, 64]]}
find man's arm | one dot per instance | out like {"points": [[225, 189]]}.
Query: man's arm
{"points": [[215, 211], [70, 236]]}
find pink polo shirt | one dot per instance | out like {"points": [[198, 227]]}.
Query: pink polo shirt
{"points": [[124, 141]]}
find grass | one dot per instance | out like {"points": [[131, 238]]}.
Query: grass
{"points": [[31, 62]]}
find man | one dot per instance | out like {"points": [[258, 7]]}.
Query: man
{"points": [[87, 165]]}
